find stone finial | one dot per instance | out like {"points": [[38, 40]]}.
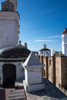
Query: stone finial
{"points": [[44, 46], [14, 2], [7, 6], [19, 43], [65, 29], [33, 74], [52, 52], [25, 45]]}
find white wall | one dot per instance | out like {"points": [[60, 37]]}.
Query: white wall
{"points": [[26, 74], [9, 29], [64, 44], [7, 37], [33, 76], [43, 53]]}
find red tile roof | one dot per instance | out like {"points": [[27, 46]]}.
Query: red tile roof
{"points": [[65, 31], [44, 49]]}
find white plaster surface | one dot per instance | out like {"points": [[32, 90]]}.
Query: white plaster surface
{"points": [[44, 53], [33, 73], [31, 88], [33, 76], [19, 70], [64, 44], [9, 29], [52, 52], [26, 74], [33, 61]]}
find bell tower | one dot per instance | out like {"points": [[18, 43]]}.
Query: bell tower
{"points": [[9, 24], [64, 42]]}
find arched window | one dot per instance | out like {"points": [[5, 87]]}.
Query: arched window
{"points": [[46, 53]]}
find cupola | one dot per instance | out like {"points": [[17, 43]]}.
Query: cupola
{"points": [[44, 46], [19, 43], [25, 45]]}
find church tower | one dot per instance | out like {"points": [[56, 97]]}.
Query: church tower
{"points": [[64, 42], [9, 24]]}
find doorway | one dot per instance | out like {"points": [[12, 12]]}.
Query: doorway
{"points": [[9, 75]]}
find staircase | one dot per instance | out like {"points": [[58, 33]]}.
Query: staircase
{"points": [[17, 94]]}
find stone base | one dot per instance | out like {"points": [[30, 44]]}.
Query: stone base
{"points": [[31, 88]]}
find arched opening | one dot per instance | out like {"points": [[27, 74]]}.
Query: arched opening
{"points": [[9, 75]]}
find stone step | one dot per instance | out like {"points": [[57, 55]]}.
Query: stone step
{"points": [[17, 95], [13, 95], [16, 98], [19, 98], [17, 90]]}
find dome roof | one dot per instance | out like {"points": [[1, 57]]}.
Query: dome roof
{"points": [[65, 31], [14, 52], [44, 49]]}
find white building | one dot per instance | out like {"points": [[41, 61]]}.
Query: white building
{"points": [[44, 51], [12, 55], [64, 42]]}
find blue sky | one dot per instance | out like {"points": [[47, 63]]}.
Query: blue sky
{"points": [[42, 22]]}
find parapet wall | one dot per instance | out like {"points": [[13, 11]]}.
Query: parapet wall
{"points": [[64, 71], [55, 69]]}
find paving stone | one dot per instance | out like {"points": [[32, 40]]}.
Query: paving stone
{"points": [[50, 92]]}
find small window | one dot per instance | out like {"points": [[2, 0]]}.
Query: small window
{"points": [[50, 62], [42, 53], [46, 53]]}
